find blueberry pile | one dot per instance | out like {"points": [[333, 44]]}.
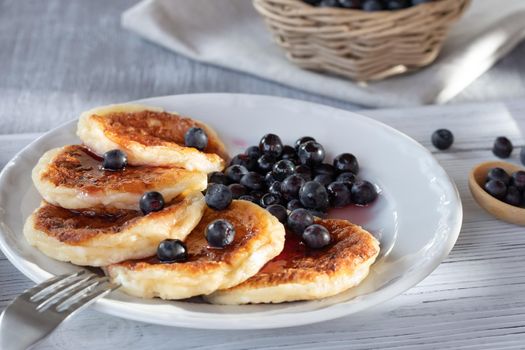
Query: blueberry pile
{"points": [[367, 5], [505, 187], [296, 179]]}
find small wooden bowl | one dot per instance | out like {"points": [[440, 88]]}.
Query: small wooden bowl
{"points": [[497, 208]]}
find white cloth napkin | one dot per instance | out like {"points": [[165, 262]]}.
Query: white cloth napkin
{"points": [[230, 33]]}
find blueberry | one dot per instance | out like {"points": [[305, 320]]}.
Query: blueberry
{"points": [[442, 139], [150, 202], [253, 152], [237, 190], [498, 174], [278, 211], [302, 140], [350, 4], [234, 173], [282, 169], [312, 2], [249, 198], [324, 179], [291, 185], [304, 171], [318, 213], [253, 181], [418, 2], [311, 153], [217, 177], [316, 236], [496, 189], [196, 137], [269, 199], [257, 195], [324, 169], [502, 147], [363, 193], [346, 162], [298, 220], [397, 4], [339, 194], [275, 188], [518, 180], [289, 153], [265, 163], [328, 3], [220, 233], [513, 196], [313, 195], [294, 204], [269, 179], [373, 5], [114, 160], [271, 144], [245, 161], [347, 178], [218, 196], [172, 250]]}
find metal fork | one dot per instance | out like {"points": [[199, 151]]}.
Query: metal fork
{"points": [[34, 314]]}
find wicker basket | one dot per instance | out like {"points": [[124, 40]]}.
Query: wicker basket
{"points": [[357, 44]]}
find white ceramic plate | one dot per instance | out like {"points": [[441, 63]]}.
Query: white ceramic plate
{"points": [[417, 217]]}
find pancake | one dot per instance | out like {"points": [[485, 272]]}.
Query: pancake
{"points": [[71, 177], [100, 237], [259, 238], [301, 273], [149, 136]]}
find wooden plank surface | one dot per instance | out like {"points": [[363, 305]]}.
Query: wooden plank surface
{"points": [[474, 300]]}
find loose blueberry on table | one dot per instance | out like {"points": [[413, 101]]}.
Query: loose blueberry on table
{"points": [[502, 147], [442, 139], [507, 188]]}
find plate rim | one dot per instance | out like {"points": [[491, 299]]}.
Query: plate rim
{"points": [[121, 309]]}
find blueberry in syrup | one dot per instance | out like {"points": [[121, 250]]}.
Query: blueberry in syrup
{"points": [[253, 152], [196, 137], [278, 211], [339, 194], [218, 196], [269, 199], [245, 161], [518, 180], [498, 174], [265, 163], [324, 169], [289, 153], [313, 195], [275, 188], [502, 147], [114, 160], [253, 181], [324, 179], [298, 220], [172, 250], [302, 140], [442, 139], [220, 233], [234, 173], [513, 196], [347, 178], [363, 193], [346, 162], [237, 190], [282, 169], [373, 5], [294, 204], [311, 153], [218, 177], [496, 189], [304, 171], [249, 198], [316, 236], [271, 144], [291, 185], [150, 202]]}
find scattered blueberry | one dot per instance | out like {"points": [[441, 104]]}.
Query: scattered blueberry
{"points": [[324, 179], [298, 220], [220, 233], [294, 204], [253, 152], [265, 163], [324, 169], [513, 196], [278, 211], [304, 171], [218, 196], [496, 188], [271, 144], [289, 153], [282, 169], [347, 178], [311, 153], [269, 199], [302, 140], [502, 147], [172, 250], [291, 185], [237, 190], [114, 160], [234, 173], [373, 5], [498, 174], [253, 181], [363, 193], [442, 139], [346, 162], [275, 188], [316, 236], [269, 179], [150, 202], [339, 194], [217, 177], [196, 137], [249, 198], [518, 180], [313, 195], [244, 160]]}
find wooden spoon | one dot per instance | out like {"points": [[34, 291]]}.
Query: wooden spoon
{"points": [[497, 208]]}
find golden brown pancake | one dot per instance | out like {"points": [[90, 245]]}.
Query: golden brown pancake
{"points": [[72, 177], [302, 273], [98, 237], [259, 237], [150, 136]]}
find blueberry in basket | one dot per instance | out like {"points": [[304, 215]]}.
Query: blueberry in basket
{"points": [[367, 5]]}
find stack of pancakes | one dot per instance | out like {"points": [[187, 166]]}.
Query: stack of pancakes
{"points": [[91, 217]]}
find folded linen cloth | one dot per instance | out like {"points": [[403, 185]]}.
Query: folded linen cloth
{"points": [[231, 34]]}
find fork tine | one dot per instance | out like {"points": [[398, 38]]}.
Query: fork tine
{"points": [[41, 290], [83, 299], [64, 290], [76, 293]]}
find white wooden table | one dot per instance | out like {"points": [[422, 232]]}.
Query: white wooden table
{"points": [[474, 300]]}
